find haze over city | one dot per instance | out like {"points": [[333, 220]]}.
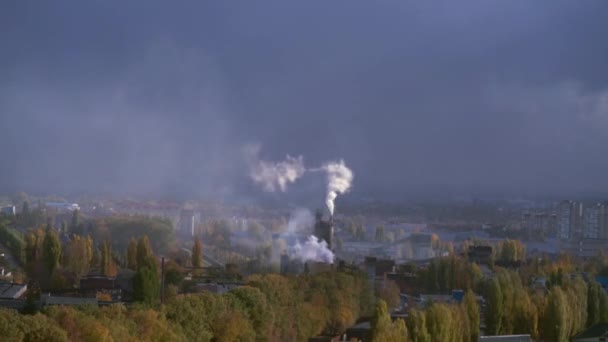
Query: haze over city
{"points": [[311, 171]]}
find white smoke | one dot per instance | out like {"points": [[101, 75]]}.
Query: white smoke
{"points": [[274, 176], [339, 180], [300, 221], [312, 249]]}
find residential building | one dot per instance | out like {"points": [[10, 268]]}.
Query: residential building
{"points": [[584, 248], [47, 299], [62, 206], [9, 211], [12, 290], [538, 221], [591, 222], [569, 219]]}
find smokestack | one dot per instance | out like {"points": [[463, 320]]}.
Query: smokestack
{"points": [[339, 179]]}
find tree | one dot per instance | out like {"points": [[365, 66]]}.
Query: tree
{"points": [[389, 292], [416, 326], [108, 266], [132, 254], [146, 285], [471, 307], [440, 323], [75, 224], [51, 251], [78, 255], [197, 253], [594, 291], [145, 257], [555, 322], [383, 329], [494, 309]]}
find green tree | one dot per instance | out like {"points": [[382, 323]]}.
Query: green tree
{"points": [[471, 307], [197, 253], [555, 322], [253, 303], [494, 309], [383, 329], [146, 285], [145, 257], [440, 323], [51, 251], [416, 325], [594, 291]]}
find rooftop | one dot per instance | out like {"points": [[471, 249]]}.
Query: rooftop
{"points": [[12, 290]]}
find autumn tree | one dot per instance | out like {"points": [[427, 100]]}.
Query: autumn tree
{"points": [[78, 255], [389, 292], [108, 266], [197, 253]]}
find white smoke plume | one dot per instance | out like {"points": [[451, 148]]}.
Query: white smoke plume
{"points": [[312, 249], [339, 180], [301, 220], [274, 176]]}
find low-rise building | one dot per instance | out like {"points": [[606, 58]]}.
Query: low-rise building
{"points": [[12, 290], [8, 211]]}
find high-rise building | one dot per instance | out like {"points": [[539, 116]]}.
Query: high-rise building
{"points": [[603, 220], [538, 221], [592, 221], [569, 220]]}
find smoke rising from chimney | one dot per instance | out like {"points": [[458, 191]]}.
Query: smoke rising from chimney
{"points": [[313, 249], [339, 180], [274, 176]]}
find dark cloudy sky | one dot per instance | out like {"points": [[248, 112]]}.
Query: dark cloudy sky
{"points": [[157, 97]]}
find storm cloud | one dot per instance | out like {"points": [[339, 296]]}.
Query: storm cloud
{"points": [[156, 98]]}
